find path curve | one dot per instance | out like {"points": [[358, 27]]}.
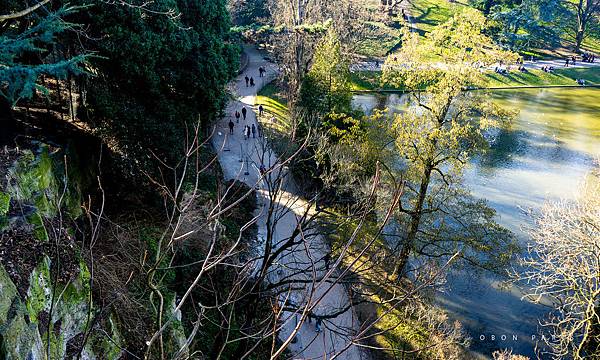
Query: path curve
{"points": [[240, 159]]}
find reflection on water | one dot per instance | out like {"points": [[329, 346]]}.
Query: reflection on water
{"points": [[544, 155]]}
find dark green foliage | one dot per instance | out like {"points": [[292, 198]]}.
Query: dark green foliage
{"points": [[157, 75], [526, 24]]}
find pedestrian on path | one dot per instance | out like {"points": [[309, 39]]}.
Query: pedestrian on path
{"points": [[567, 62], [260, 110], [259, 130], [244, 111], [247, 132], [244, 132], [237, 116], [247, 80], [573, 59], [318, 325], [251, 81], [231, 125], [253, 131], [327, 259]]}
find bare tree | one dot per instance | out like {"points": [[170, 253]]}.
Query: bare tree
{"points": [[561, 269], [507, 355]]}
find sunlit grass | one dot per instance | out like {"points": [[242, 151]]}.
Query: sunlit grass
{"points": [[427, 14], [378, 39], [371, 80], [562, 76], [276, 115]]}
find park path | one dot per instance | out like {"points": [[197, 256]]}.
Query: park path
{"points": [[240, 159], [377, 64]]}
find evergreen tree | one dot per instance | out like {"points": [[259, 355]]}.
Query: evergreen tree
{"points": [[26, 43], [157, 74]]}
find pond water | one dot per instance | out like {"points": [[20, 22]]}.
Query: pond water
{"points": [[544, 155]]}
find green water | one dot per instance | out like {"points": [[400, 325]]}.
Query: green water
{"points": [[544, 155]]}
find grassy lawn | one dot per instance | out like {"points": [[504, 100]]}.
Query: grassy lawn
{"points": [[370, 80], [562, 76], [382, 34], [276, 118], [427, 14], [592, 43], [378, 39]]}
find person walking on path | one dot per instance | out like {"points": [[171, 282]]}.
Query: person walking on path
{"points": [[247, 132], [231, 125], [567, 62], [259, 130], [247, 80], [253, 131], [318, 325], [244, 112], [244, 132], [237, 116], [327, 259], [260, 110], [251, 81]]}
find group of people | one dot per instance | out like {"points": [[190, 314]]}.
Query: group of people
{"points": [[250, 80], [261, 71], [548, 69], [248, 129], [251, 129], [589, 58], [572, 59]]}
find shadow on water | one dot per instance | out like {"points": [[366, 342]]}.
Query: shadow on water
{"points": [[544, 154], [511, 148]]}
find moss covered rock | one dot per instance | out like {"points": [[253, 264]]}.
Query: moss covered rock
{"points": [[8, 294], [22, 341]]}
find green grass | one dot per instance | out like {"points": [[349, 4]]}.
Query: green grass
{"points": [[562, 76], [592, 43], [276, 114], [275, 121], [378, 39], [382, 35], [427, 14], [370, 80]]}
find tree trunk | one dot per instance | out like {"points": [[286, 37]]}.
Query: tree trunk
{"points": [[415, 221], [578, 40]]}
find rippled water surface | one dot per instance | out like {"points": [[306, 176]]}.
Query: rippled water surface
{"points": [[544, 155]]}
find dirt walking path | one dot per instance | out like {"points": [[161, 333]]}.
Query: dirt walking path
{"points": [[241, 159]]}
